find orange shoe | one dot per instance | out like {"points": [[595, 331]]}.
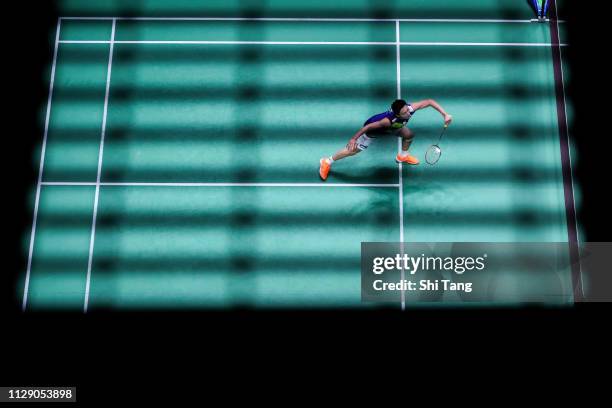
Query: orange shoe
{"points": [[324, 168], [408, 159]]}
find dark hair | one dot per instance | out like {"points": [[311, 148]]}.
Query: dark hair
{"points": [[397, 105]]}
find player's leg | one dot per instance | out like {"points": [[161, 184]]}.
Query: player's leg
{"points": [[342, 153], [325, 163], [407, 136]]}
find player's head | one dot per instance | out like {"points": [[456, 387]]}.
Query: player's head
{"points": [[400, 108]]}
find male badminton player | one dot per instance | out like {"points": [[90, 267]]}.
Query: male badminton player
{"points": [[391, 122]]}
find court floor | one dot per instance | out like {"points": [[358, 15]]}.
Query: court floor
{"points": [[179, 163]]}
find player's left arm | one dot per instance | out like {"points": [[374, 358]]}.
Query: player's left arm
{"points": [[430, 102]]}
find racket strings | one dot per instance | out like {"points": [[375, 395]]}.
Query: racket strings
{"points": [[433, 154]]}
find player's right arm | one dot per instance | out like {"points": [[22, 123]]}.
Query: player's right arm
{"points": [[381, 124]]}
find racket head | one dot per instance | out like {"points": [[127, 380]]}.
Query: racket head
{"points": [[433, 154]]}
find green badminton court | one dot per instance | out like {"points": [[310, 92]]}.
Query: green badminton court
{"points": [[179, 164]]}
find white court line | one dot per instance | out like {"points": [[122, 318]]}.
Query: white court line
{"points": [[40, 169], [100, 156], [482, 44], [136, 184], [410, 20], [229, 42], [399, 149], [84, 42], [387, 43]]}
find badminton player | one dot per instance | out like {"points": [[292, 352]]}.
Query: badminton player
{"points": [[391, 122]]}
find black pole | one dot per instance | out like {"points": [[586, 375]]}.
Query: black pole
{"points": [[568, 188]]}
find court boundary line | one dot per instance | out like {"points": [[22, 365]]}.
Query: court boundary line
{"points": [[382, 43], [213, 184], [100, 160], [41, 168], [306, 19]]}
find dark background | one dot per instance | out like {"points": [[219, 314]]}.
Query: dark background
{"points": [[45, 347]]}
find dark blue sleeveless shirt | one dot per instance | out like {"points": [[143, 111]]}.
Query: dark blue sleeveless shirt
{"points": [[396, 122]]}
